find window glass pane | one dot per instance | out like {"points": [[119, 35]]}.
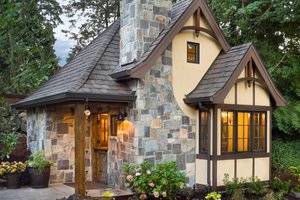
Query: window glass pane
{"points": [[203, 144], [259, 131], [227, 132], [243, 131], [192, 52]]}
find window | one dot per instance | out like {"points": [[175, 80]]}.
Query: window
{"points": [[203, 143], [103, 127], [192, 52], [243, 131]]}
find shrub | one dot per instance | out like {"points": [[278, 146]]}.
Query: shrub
{"points": [[281, 186], [213, 196], [238, 195], [296, 189], [39, 161], [295, 171], [285, 154], [232, 186], [255, 186], [147, 182]]}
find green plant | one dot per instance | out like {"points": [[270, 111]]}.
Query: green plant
{"points": [[8, 131], [285, 154], [281, 186], [296, 189], [255, 186], [295, 171], [213, 196], [238, 195], [38, 160], [232, 186], [145, 181], [12, 168]]}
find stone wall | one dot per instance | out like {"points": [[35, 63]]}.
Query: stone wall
{"points": [[163, 132], [141, 22], [52, 130]]}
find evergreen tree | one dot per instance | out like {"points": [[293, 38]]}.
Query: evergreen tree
{"points": [[27, 57]]}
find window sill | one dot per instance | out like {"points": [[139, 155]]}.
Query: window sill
{"points": [[236, 156]]}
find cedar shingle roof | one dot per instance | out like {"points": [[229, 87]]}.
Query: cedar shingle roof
{"points": [[219, 73], [87, 73]]}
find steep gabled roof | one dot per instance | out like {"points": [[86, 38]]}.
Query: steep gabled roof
{"points": [[181, 12], [224, 72], [86, 76]]}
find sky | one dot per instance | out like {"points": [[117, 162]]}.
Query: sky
{"points": [[62, 45]]}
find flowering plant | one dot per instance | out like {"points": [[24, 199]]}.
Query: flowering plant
{"points": [[12, 167], [148, 182]]}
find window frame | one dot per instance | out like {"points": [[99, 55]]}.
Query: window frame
{"points": [[251, 134], [197, 53]]}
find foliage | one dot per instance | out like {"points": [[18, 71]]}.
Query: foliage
{"points": [[107, 194], [213, 196], [145, 181], [285, 154], [184, 193], [273, 26], [281, 186], [27, 56], [39, 161], [12, 168], [8, 133], [234, 185], [295, 171], [238, 195], [273, 196], [296, 189], [255, 186]]}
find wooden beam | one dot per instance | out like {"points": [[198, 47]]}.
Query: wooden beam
{"points": [[200, 29], [80, 121]]}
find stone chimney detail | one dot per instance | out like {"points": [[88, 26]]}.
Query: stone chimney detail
{"points": [[141, 23]]}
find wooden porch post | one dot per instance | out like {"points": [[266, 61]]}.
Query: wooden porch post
{"points": [[79, 149]]}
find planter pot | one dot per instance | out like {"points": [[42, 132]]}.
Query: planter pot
{"points": [[39, 180], [13, 181], [297, 195]]}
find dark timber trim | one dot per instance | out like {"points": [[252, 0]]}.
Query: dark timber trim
{"points": [[200, 29], [69, 96], [215, 148], [244, 107], [236, 156]]}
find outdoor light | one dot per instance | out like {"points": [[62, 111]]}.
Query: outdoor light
{"points": [[87, 110]]}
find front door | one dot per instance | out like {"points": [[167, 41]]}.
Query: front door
{"points": [[100, 135]]}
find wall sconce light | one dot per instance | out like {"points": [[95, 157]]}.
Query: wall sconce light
{"points": [[122, 117], [87, 110]]}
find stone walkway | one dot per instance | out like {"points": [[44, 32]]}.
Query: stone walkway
{"points": [[53, 192]]}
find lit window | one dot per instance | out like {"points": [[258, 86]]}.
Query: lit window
{"points": [[203, 145], [103, 127], [243, 131], [192, 52]]}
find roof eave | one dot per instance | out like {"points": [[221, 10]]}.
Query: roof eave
{"points": [[197, 100], [69, 96]]}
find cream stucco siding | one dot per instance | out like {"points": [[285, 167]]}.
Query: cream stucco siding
{"points": [[262, 98], [225, 167], [262, 167], [244, 168], [244, 94], [201, 175], [186, 76], [230, 98]]}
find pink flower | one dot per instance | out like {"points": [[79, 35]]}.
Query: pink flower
{"points": [[151, 184], [156, 194], [129, 177], [143, 196], [138, 174]]}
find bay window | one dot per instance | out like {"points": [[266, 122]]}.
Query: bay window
{"points": [[243, 131]]}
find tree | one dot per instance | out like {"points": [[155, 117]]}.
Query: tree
{"points": [[8, 131], [27, 56], [97, 15], [273, 26]]}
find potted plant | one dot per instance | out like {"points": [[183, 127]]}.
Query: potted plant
{"points": [[12, 171], [39, 170]]}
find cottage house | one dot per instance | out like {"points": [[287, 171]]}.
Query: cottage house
{"points": [[160, 84]]}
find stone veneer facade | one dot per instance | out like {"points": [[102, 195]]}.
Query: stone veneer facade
{"points": [[52, 130], [162, 132], [141, 22]]}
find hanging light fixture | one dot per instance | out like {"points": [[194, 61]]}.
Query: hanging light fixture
{"points": [[87, 110]]}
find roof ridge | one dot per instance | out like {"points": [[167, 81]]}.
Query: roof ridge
{"points": [[85, 76]]}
